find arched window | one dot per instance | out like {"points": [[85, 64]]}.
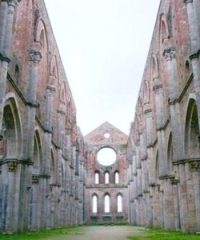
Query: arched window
{"points": [[107, 178], [107, 203], [96, 180], [119, 203], [94, 204], [116, 177]]}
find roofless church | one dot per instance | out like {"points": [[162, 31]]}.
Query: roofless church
{"points": [[52, 176]]}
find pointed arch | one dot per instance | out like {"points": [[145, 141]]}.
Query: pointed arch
{"points": [[54, 79], [154, 67], [192, 146], [37, 153], [107, 203], [163, 29], [107, 177], [94, 203], [11, 143], [117, 177], [41, 33], [96, 177], [146, 92], [119, 203]]}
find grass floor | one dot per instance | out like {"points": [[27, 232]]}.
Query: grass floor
{"points": [[158, 234], [141, 234], [42, 235]]}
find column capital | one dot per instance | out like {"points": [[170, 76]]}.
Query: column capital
{"points": [[12, 3], [156, 87], [34, 56], [187, 1], [51, 88], [169, 53]]}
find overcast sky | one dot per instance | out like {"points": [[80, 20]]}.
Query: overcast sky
{"points": [[103, 45]]}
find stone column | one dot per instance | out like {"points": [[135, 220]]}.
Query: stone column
{"points": [[47, 152], [7, 12], [168, 205], [34, 59], [195, 48], [175, 114], [161, 121], [176, 196], [195, 168]]}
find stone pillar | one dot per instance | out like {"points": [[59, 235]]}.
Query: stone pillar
{"points": [[12, 200], [195, 168], [193, 25], [34, 59], [47, 152], [150, 130], [195, 48], [35, 205], [173, 93], [174, 183], [161, 121], [7, 12], [168, 205]]}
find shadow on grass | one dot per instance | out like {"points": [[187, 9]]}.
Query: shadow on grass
{"points": [[158, 234]]}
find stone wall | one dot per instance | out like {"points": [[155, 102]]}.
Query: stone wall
{"points": [[41, 148], [163, 145]]}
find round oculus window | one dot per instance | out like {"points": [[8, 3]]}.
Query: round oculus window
{"points": [[106, 156]]}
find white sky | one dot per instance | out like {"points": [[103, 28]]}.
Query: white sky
{"points": [[103, 45]]}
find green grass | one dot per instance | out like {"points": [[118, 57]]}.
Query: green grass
{"points": [[42, 234], [158, 234]]}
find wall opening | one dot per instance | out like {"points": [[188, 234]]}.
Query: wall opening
{"points": [[106, 156], [107, 203]]}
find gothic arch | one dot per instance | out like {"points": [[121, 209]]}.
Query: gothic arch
{"points": [[12, 131], [119, 203], [41, 33], [95, 200], [53, 79], [107, 203], [42, 41], [163, 29], [154, 67], [146, 92], [37, 153], [192, 146], [117, 178], [97, 177], [106, 177]]}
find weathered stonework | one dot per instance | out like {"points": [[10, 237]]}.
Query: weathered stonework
{"points": [[37, 112], [106, 136], [50, 175], [171, 87]]}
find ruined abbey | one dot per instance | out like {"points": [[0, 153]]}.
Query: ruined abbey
{"points": [[52, 176]]}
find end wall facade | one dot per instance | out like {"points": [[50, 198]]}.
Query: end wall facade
{"points": [[106, 183]]}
